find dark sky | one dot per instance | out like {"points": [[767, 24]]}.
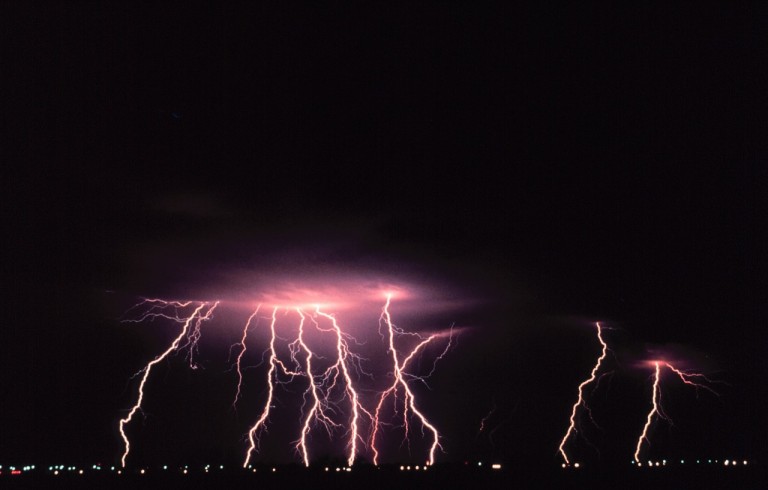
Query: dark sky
{"points": [[557, 164]]}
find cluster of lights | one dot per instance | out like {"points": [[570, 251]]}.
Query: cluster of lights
{"points": [[16, 471], [663, 462], [61, 469], [733, 462]]}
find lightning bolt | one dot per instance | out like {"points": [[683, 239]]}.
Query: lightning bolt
{"points": [[240, 355], [341, 367], [318, 391], [687, 378], [399, 380], [160, 309], [271, 378], [485, 419], [656, 407], [331, 399], [317, 411], [580, 400]]}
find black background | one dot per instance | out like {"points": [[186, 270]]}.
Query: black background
{"points": [[567, 163]]}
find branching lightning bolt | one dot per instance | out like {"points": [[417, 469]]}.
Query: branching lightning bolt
{"points": [[399, 380], [319, 389], [580, 400], [341, 366], [317, 410], [331, 399], [656, 407], [159, 309], [273, 362]]}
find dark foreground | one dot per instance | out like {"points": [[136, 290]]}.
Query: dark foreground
{"points": [[437, 477]]}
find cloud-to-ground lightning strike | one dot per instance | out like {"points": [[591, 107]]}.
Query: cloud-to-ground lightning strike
{"points": [[239, 359], [317, 410], [273, 363], [331, 399], [319, 389], [190, 332], [341, 367], [580, 399], [399, 380], [656, 407]]}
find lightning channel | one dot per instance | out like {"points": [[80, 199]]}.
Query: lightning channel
{"points": [[399, 381], [657, 409], [158, 309], [580, 399], [243, 347]]}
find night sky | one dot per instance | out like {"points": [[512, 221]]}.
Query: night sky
{"points": [[537, 166]]}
